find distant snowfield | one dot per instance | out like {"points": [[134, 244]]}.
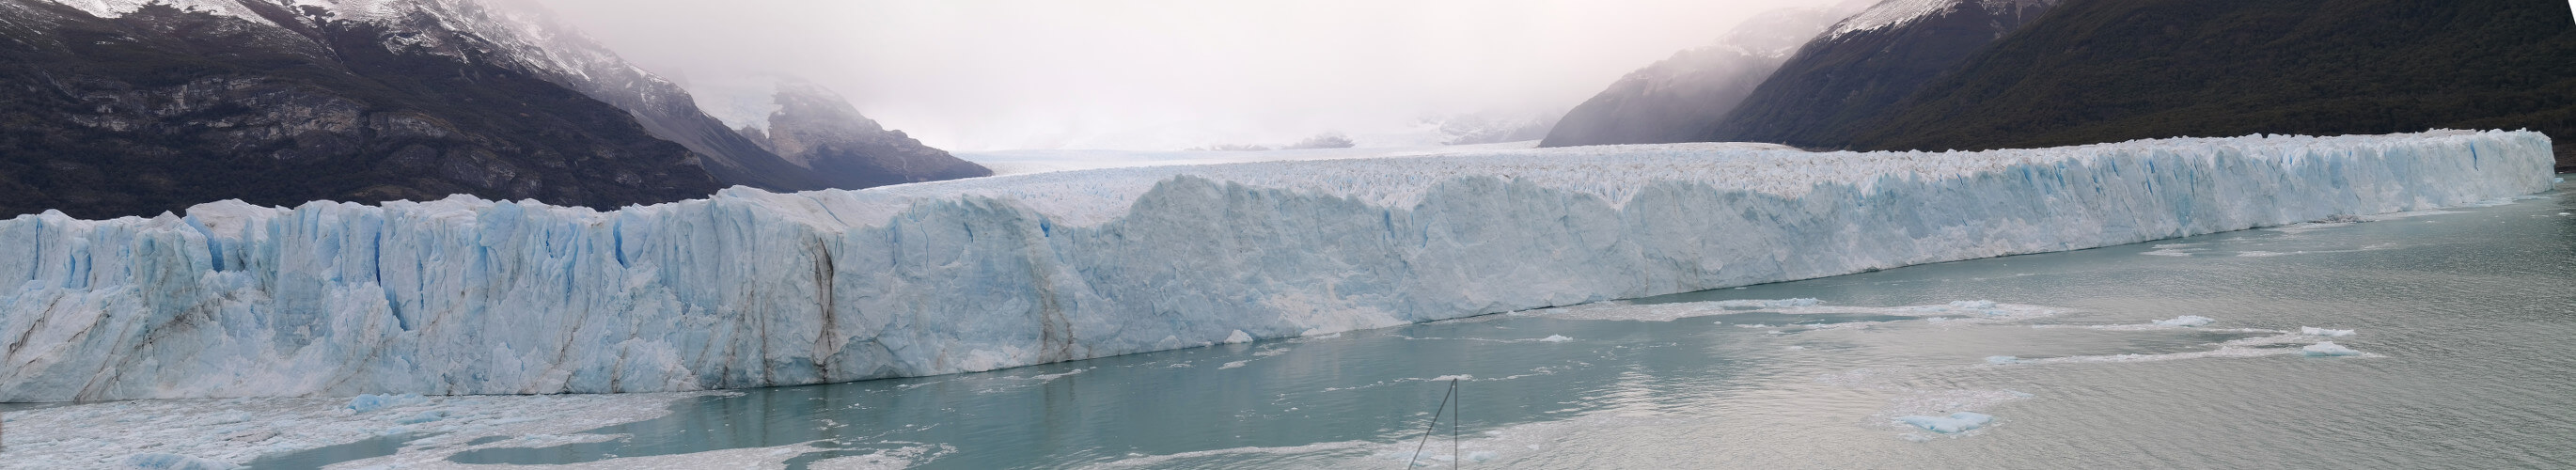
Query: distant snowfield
{"points": [[749, 288], [1018, 162]]}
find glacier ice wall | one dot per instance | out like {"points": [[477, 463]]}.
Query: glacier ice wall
{"points": [[748, 288]]}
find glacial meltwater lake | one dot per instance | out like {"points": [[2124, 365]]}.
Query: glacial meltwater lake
{"points": [[2462, 354]]}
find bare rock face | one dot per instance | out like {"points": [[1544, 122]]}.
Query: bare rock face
{"points": [[818, 129]]}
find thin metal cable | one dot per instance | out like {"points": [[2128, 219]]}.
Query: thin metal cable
{"points": [[1434, 426]]}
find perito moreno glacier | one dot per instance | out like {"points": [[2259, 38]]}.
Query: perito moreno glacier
{"points": [[748, 288]]}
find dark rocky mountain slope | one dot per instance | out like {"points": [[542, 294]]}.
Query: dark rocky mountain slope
{"points": [[2113, 70], [134, 107], [1868, 62], [161, 109]]}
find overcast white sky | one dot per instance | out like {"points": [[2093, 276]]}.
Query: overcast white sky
{"points": [[972, 75]]}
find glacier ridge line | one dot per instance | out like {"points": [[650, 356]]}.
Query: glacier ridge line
{"points": [[749, 288]]}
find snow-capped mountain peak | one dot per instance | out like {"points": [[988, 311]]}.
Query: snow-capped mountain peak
{"points": [[117, 8], [1893, 13]]}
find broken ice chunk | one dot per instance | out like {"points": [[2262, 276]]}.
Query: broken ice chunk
{"points": [[2328, 349], [2315, 331], [2185, 320], [1956, 423]]}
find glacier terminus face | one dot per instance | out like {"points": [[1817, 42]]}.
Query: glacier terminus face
{"points": [[749, 288]]}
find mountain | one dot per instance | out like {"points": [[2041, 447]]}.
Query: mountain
{"points": [[528, 108], [1675, 100], [1866, 63], [538, 44], [818, 129], [2107, 70], [158, 109]]}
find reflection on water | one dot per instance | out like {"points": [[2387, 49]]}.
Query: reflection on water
{"points": [[2468, 314]]}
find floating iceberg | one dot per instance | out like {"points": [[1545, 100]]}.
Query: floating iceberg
{"points": [[1955, 423], [749, 288], [2315, 331], [2328, 349], [2186, 321]]}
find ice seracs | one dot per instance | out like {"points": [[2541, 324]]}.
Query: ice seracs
{"points": [[749, 288]]}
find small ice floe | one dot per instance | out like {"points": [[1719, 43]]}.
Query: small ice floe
{"points": [[1556, 339], [171, 462], [2328, 349], [2315, 331], [2002, 360], [1955, 423], [2259, 254], [1973, 304], [366, 403], [2186, 321], [1234, 364]]}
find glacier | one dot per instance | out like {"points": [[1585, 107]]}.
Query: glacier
{"points": [[749, 288]]}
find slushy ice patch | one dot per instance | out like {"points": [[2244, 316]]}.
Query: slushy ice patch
{"points": [[171, 462]]}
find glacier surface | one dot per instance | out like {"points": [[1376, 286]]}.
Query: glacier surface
{"points": [[749, 288]]}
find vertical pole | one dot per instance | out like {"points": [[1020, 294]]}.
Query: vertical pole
{"points": [[1434, 426], [1455, 458]]}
